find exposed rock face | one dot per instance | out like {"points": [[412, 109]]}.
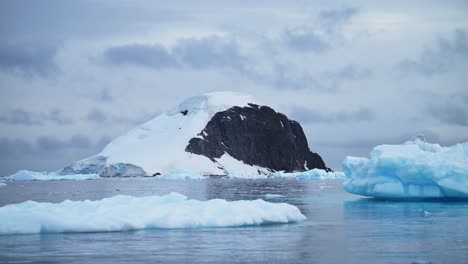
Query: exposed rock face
{"points": [[256, 135]]}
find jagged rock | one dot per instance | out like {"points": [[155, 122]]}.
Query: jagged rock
{"points": [[256, 135]]}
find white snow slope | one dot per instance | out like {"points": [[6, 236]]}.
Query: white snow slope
{"points": [[122, 212], [158, 146]]}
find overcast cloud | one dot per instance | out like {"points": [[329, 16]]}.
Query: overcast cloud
{"points": [[74, 75]]}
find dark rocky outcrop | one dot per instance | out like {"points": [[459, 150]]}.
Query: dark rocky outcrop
{"points": [[256, 135]]}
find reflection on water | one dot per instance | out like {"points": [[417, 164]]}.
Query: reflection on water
{"points": [[405, 230], [341, 228]]}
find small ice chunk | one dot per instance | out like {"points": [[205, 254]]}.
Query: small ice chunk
{"points": [[273, 196], [180, 174]]}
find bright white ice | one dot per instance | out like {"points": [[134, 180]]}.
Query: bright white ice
{"points": [[416, 169], [158, 146], [123, 212], [273, 196]]}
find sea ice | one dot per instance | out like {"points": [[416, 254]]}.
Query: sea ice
{"points": [[25, 175], [181, 175], [124, 212], [314, 174], [273, 196], [415, 169], [2, 184]]}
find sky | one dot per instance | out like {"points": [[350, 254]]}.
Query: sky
{"points": [[355, 74]]}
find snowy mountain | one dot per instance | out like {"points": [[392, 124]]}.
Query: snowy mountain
{"points": [[218, 133]]}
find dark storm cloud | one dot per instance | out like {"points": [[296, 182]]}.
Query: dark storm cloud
{"points": [[289, 76], [97, 116], [46, 152], [30, 59], [336, 17], [59, 20], [52, 143], [21, 147], [100, 117], [213, 51], [443, 58], [28, 118], [450, 113], [14, 147], [321, 35], [20, 117], [57, 116], [308, 115], [375, 140], [104, 96], [305, 39], [195, 53], [151, 56], [349, 72]]}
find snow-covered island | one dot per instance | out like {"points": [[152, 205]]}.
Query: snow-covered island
{"points": [[223, 133], [415, 169]]}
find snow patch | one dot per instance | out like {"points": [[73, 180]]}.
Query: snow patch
{"points": [[415, 169], [234, 168], [121, 213], [25, 175]]}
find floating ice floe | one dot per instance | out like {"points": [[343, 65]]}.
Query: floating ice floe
{"points": [[314, 174], [273, 196], [415, 169], [120, 213], [2, 184], [25, 175], [181, 175]]}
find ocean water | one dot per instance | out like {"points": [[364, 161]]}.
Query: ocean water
{"points": [[341, 228]]}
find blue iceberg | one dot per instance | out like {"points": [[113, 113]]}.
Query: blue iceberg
{"points": [[415, 169]]}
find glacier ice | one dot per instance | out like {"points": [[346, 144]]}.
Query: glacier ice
{"points": [[98, 165], [25, 175], [122, 212], [314, 174], [415, 169]]}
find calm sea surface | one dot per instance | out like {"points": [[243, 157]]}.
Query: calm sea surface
{"points": [[341, 228]]}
